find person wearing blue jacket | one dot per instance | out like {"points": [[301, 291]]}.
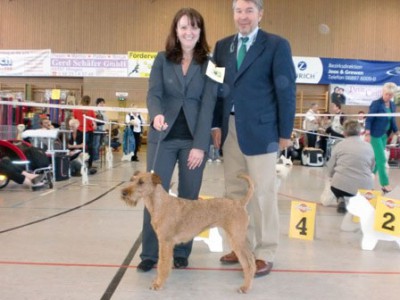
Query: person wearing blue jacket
{"points": [[379, 128]]}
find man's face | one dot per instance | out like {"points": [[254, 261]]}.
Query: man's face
{"points": [[46, 124], [246, 16]]}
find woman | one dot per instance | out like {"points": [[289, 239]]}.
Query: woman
{"points": [[311, 125], [351, 165], [379, 128], [180, 104], [336, 128], [90, 127]]}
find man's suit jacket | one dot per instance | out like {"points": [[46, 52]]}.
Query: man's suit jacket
{"points": [[262, 91], [168, 93], [378, 125]]}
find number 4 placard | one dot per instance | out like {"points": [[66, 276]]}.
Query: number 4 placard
{"points": [[302, 220], [387, 216]]}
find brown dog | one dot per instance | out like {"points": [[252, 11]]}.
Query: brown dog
{"points": [[189, 219]]}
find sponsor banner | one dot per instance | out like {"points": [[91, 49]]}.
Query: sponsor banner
{"points": [[25, 62], [140, 63], [312, 70], [88, 65]]}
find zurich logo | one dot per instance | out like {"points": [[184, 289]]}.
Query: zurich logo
{"points": [[394, 72], [5, 61], [302, 65]]}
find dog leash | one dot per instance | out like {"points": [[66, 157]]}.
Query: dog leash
{"points": [[157, 148]]}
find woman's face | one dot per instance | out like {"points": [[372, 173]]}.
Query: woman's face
{"points": [[387, 96], [187, 34]]}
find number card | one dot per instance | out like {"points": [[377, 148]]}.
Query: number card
{"points": [[371, 196], [302, 220], [387, 216]]}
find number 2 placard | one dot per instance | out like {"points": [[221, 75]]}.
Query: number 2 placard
{"points": [[387, 216], [302, 220]]}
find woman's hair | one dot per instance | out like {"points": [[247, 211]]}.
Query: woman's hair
{"points": [[173, 47], [390, 87], [85, 100], [351, 128], [100, 100]]}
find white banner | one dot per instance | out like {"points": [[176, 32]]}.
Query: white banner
{"points": [[25, 62], [355, 94], [89, 65]]}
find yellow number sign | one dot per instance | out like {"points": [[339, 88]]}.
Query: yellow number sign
{"points": [[302, 220], [387, 216]]}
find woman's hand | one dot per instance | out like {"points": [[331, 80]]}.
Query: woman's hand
{"points": [[195, 159], [159, 123]]}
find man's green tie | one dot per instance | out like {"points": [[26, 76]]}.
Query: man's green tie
{"points": [[242, 51]]}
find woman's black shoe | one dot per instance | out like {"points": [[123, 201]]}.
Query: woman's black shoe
{"points": [[341, 208], [180, 262], [146, 265]]}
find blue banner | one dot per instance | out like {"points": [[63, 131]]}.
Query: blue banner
{"points": [[314, 70]]}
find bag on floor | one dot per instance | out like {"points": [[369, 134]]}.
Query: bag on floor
{"points": [[61, 167], [327, 197]]}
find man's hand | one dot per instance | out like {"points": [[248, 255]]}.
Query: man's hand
{"points": [[284, 143]]}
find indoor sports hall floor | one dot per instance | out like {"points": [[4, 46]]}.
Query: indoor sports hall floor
{"points": [[83, 242]]}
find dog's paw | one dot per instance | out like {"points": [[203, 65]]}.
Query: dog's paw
{"points": [[155, 286], [243, 290]]}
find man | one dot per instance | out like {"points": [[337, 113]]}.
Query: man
{"points": [[101, 126], [135, 120], [253, 121]]}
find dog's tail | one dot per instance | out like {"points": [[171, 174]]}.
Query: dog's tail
{"points": [[250, 190]]}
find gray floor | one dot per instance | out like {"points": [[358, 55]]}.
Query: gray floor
{"points": [[80, 242]]}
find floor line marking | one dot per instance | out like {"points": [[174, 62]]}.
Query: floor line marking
{"points": [[61, 213], [137, 243]]}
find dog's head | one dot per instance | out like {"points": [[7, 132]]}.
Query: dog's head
{"points": [[141, 185], [282, 170]]}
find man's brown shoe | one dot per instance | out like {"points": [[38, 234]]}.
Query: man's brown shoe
{"points": [[262, 268], [229, 259]]}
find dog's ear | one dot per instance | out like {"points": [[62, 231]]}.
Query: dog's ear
{"points": [[155, 179]]}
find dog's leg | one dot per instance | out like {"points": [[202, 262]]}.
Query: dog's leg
{"points": [[164, 264], [247, 261], [237, 240]]}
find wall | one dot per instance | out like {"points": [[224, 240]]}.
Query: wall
{"points": [[359, 29]]}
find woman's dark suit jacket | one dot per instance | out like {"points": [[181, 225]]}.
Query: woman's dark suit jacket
{"points": [[168, 93], [378, 125]]}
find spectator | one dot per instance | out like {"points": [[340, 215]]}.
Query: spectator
{"points": [[135, 121], [90, 127], [100, 128], [310, 124], [379, 128], [351, 165], [8, 169]]}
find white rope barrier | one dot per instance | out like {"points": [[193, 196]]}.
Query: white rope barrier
{"points": [[144, 110]]}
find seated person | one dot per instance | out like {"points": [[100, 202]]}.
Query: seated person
{"points": [[293, 151], [115, 143], [7, 168], [351, 165], [75, 145]]}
